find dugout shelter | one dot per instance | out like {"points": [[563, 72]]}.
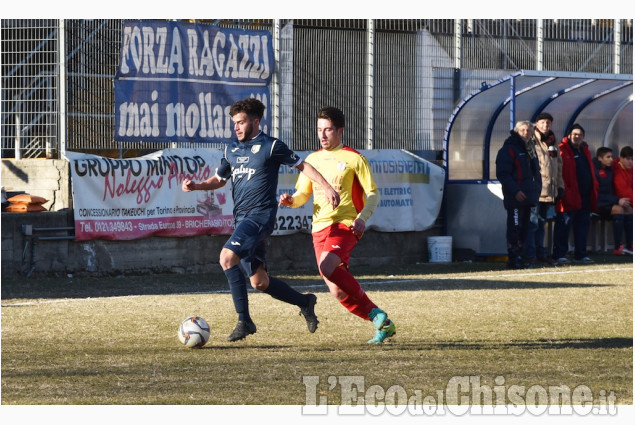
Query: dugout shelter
{"points": [[474, 214]]}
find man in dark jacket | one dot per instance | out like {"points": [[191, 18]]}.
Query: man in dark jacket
{"points": [[580, 198], [518, 170]]}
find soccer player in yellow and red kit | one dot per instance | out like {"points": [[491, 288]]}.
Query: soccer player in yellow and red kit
{"points": [[337, 231]]}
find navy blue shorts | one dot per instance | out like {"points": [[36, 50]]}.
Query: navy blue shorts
{"points": [[248, 242]]}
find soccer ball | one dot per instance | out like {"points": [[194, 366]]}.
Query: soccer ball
{"points": [[193, 332]]}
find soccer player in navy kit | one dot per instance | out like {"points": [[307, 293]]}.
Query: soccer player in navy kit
{"points": [[252, 163]]}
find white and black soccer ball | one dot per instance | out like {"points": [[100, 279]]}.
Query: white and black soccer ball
{"points": [[193, 332]]}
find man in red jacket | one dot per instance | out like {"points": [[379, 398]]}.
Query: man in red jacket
{"points": [[573, 211], [623, 186]]}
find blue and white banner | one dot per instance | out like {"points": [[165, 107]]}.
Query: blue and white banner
{"points": [[177, 80]]}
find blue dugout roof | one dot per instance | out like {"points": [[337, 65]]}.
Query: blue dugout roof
{"points": [[601, 103]]}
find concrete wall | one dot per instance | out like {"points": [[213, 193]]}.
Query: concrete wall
{"points": [[50, 247], [46, 251], [48, 178]]}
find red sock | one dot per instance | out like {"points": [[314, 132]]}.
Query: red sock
{"points": [[357, 302]]}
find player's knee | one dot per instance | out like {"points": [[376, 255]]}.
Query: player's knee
{"points": [[326, 269], [259, 285], [227, 259], [259, 281]]}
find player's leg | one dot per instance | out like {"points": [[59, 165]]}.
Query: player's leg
{"points": [[230, 258], [281, 291], [255, 235], [333, 247]]}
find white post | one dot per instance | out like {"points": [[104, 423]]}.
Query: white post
{"points": [[540, 41], [370, 84], [18, 151], [275, 81], [61, 54], [617, 42], [457, 44]]}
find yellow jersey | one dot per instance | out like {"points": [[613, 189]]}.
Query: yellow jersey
{"points": [[349, 173]]}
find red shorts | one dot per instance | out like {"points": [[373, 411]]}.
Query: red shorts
{"points": [[338, 239]]}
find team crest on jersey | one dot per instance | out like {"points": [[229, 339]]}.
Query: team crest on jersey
{"points": [[255, 149], [341, 166]]}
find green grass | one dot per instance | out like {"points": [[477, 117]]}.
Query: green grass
{"points": [[86, 340]]}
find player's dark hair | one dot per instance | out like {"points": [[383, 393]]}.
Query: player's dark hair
{"points": [[335, 115], [626, 152], [251, 106], [603, 150]]}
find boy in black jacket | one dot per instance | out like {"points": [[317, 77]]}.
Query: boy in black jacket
{"points": [[610, 206]]}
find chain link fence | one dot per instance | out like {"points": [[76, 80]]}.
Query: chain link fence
{"points": [[395, 81]]}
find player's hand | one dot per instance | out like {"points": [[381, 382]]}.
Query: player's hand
{"points": [[286, 200], [332, 197], [358, 227], [188, 185]]}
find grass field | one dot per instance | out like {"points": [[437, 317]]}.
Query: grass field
{"points": [[83, 340]]}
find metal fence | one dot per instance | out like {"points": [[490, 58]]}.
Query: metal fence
{"points": [[396, 80]]}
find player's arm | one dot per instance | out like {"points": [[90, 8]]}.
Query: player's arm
{"points": [[212, 183], [218, 180], [330, 194], [294, 201], [365, 178]]}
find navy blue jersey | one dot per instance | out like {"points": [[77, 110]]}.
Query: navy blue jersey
{"points": [[253, 167]]}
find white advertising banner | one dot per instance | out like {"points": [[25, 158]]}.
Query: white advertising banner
{"points": [[133, 198]]}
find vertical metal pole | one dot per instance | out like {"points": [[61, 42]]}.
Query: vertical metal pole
{"points": [[17, 147], [617, 40], [512, 103], [61, 54], [275, 81], [457, 43], [540, 43], [370, 84]]}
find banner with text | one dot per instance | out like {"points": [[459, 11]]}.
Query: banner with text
{"points": [[177, 80], [410, 190], [124, 199]]}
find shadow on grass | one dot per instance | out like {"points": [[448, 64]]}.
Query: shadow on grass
{"points": [[371, 278], [540, 344], [474, 284], [126, 289]]}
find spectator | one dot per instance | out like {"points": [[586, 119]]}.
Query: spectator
{"points": [[623, 185], [518, 170], [579, 200], [552, 189], [610, 206]]}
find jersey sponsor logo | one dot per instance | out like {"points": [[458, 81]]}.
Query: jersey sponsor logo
{"points": [[242, 159], [336, 247], [241, 171], [255, 149], [235, 243]]}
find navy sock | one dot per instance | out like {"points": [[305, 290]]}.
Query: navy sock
{"points": [[628, 229], [238, 288], [618, 229], [280, 290]]}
